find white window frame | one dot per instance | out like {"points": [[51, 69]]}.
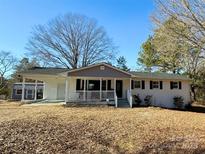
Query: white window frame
{"points": [[176, 84], [155, 83], [140, 84]]}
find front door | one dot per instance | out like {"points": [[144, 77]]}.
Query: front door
{"points": [[119, 88]]}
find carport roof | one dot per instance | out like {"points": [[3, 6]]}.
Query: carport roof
{"points": [[44, 71]]}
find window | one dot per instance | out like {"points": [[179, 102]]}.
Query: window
{"points": [[155, 84], [78, 81], [109, 85], [94, 85], [102, 67], [18, 91], [137, 84], [30, 92], [103, 84], [175, 85], [79, 84], [39, 93]]}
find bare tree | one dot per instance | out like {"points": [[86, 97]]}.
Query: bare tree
{"points": [[71, 41], [188, 26], [7, 63], [189, 13]]}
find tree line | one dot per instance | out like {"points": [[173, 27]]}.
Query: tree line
{"points": [[176, 46], [178, 42]]}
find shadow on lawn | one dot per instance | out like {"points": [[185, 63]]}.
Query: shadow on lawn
{"points": [[172, 146], [195, 108], [77, 105], [198, 109]]}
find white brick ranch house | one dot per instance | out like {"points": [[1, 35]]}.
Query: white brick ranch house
{"points": [[102, 83]]}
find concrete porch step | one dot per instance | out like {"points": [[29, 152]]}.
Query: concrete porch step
{"points": [[123, 103]]}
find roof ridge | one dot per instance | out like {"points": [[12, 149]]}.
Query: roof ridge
{"points": [[37, 67]]}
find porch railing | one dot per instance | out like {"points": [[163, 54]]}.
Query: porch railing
{"points": [[81, 95], [116, 100], [129, 97]]}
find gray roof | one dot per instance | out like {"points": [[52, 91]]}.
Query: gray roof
{"points": [[145, 75], [157, 75], [45, 71]]}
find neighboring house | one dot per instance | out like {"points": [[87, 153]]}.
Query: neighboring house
{"points": [[102, 83], [32, 91]]}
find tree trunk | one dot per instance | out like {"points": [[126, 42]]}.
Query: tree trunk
{"points": [[193, 92]]}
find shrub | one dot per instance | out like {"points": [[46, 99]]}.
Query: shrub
{"points": [[137, 99], [178, 101], [188, 106], [5, 92], [147, 100]]}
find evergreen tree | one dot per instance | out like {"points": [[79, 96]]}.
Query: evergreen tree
{"points": [[148, 55], [121, 63]]}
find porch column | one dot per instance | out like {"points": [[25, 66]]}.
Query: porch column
{"points": [[84, 90], [115, 86], [130, 92], [100, 88], [116, 103], [23, 89], [106, 88], [35, 96], [130, 86], [66, 90]]}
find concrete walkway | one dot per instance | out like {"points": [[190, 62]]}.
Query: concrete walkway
{"points": [[45, 104]]}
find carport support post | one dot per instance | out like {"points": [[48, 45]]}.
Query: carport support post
{"points": [[100, 89], [66, 90], [23, 89], [35, 96]]}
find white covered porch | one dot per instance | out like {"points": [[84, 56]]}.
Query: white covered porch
{"points": [[97, 90], [92, 84]]}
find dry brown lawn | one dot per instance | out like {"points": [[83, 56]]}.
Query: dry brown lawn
{"points": [[59, 129]]}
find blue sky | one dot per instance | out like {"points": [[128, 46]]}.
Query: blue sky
{"points": [[127, 22]]}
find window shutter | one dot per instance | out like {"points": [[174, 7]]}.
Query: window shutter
{"points": [[161, 85], [82, 85], [86, 84], [109, 85], [78, 84], [171, 85], [180, 85], [150, 84], [143, 84], [132, 84]]}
